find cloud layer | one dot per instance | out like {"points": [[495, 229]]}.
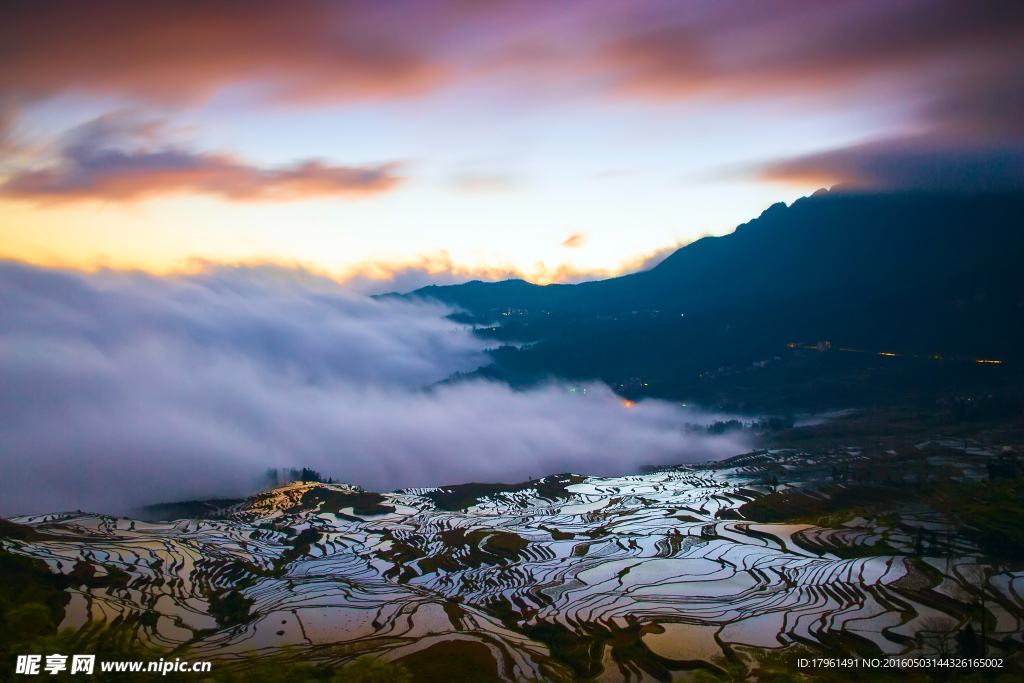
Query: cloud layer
{"points": [[914, 163], [184, 51], [118, 390], [953, 67], [313, 50]]}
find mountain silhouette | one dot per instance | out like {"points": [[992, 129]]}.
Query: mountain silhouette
{"points": [[915, 274], [860, 244]]}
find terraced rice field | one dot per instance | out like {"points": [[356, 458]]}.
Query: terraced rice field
{"points": [[618, 578]]}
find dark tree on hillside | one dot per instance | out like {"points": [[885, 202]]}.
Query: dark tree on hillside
{"points": [[310, 475], [967, 642]]}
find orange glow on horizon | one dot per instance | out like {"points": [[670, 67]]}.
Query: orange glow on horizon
{"points": [[186, 236]]}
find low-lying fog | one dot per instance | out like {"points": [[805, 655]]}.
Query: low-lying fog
{"points": [[119, 390]]}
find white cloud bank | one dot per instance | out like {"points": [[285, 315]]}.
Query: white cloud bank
{"points": [[119, 390]]}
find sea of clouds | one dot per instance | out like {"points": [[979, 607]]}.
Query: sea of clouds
{"points": [[125, 389]]}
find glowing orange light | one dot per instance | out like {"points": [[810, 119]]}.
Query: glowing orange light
{"points": [[628, 403]]}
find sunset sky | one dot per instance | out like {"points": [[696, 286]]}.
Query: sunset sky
{"points": [[440, 141]]}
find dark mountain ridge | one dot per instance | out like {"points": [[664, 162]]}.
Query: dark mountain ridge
{"points": [[907, 291], [864, 243]]}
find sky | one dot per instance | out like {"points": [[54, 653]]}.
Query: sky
{"points": [[394, 144]]}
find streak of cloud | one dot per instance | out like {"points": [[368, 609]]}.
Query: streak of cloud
{"points": [[122, 389], [116, 159], [574, 240]]}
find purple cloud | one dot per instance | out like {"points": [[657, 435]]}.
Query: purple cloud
{"points": [[114, 158]]}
